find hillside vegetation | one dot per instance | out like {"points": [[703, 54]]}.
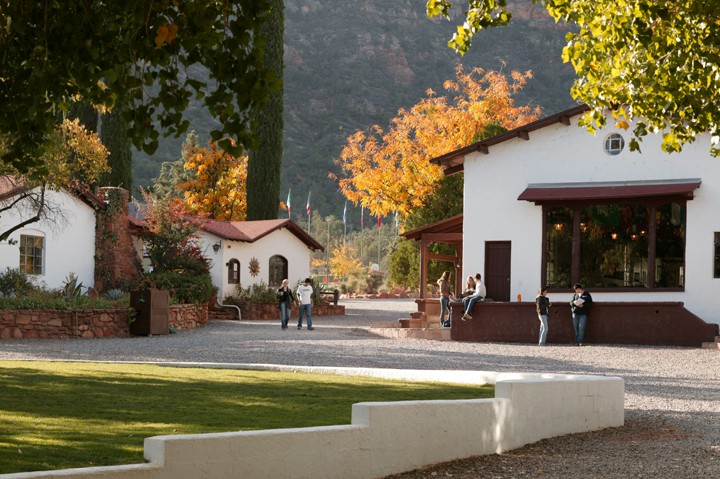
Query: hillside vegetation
{"points": [[350, 64]]}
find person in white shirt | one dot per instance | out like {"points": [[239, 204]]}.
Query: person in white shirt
{"points": [[304, 295], [470, 301]]}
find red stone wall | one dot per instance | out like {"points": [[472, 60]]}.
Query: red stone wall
{"points": [[116, 259], [91, 323], [271, 310], [188, 316]]}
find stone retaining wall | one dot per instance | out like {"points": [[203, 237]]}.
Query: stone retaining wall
{"points": [[271, 311], [87, 323]]}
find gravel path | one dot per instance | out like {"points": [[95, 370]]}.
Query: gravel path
{"points": [[672, 394]]}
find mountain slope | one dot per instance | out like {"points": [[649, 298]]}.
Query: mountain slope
{"points": [[350, 64]]}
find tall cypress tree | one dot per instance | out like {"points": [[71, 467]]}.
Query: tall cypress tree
{"points": [[263, 179], [113, 134], [87, 115]]}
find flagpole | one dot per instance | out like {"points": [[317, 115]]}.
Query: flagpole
{"points": [[344, 221], [379, 224], [362, 221], [309, 211]]}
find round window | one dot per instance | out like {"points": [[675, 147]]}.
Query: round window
{"points": [[614, 144]]}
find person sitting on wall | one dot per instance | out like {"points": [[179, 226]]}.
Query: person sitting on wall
{"points": [[478, 294]]}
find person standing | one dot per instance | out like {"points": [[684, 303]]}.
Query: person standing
{"points": [[579, 306], [304, 295], [470, 301], [285, 298], [445, 295], [542, 306]]}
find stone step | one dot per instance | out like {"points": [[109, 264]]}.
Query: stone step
{"points": [[712, 345], [222, 315]]}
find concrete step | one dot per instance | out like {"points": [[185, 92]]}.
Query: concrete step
{"points": [[712, 345], [413, 333]]}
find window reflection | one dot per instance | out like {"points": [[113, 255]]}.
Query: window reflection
{"points": [[614, 246]]}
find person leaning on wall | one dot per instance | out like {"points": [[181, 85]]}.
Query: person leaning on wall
{"points": [[542, 306], [579, 307], [446, 295]]}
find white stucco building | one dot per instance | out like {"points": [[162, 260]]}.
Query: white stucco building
{"points": [[244, 253], [62, 242], [549, 203]]}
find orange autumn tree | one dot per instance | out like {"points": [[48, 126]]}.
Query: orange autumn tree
{"points": [[390, 171], [217, 187]]}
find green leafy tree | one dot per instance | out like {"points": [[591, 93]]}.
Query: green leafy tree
{"points": [[113, 134], [173, 173], [653, 63], [128, 55], [263, 174], [171, 245]]}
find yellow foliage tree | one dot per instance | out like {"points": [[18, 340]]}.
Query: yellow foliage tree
{"points": [[73, 158], [390, 171], [218, 187], [344, 262]]}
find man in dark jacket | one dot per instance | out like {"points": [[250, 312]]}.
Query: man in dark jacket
{"points": [[579, 306]]}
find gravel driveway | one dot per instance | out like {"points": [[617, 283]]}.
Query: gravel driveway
{"points": [[672, 394]]}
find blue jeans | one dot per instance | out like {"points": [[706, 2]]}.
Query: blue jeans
{"points": [[469, 302], [579, 323], [284, 314], [543, 328], [444, 310], [305, 308]]}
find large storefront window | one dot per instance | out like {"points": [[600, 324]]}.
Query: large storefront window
{"points": [[621, 245]]}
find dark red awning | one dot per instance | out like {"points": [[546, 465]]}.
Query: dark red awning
{"points": [[548, 192]]}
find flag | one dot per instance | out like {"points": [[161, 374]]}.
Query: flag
{"points": [[308, 205], [362, 216], [288, 202], [379, 221], [345, 213]]}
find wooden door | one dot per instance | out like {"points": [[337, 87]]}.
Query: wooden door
{"points": [[497, 270]]}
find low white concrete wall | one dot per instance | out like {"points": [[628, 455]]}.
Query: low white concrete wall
{"points": [[384, 438]]}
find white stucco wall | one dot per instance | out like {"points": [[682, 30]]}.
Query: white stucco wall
{"points": [[568, 154], [385, 437], [69, 241], [279, 242]]}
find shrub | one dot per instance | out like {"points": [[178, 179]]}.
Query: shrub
{"points": [[71, 288], [14, 282], [114, 294], [256, 293], [184, 287], [52, 301]]}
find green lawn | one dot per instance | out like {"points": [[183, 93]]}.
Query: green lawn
{"points": [[63, 415]]}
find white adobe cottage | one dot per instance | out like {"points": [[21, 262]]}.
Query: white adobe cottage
{"points": [[244, 253], [550, 204], [64, 240], [101, 245]]}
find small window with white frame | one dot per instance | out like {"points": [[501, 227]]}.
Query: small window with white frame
{"points": [[614, 144], [32, 250]]}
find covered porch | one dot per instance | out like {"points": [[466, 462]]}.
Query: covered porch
{"points": [[448, 232]]}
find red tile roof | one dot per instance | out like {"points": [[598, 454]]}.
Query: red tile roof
{"points": [[251, 231]]}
